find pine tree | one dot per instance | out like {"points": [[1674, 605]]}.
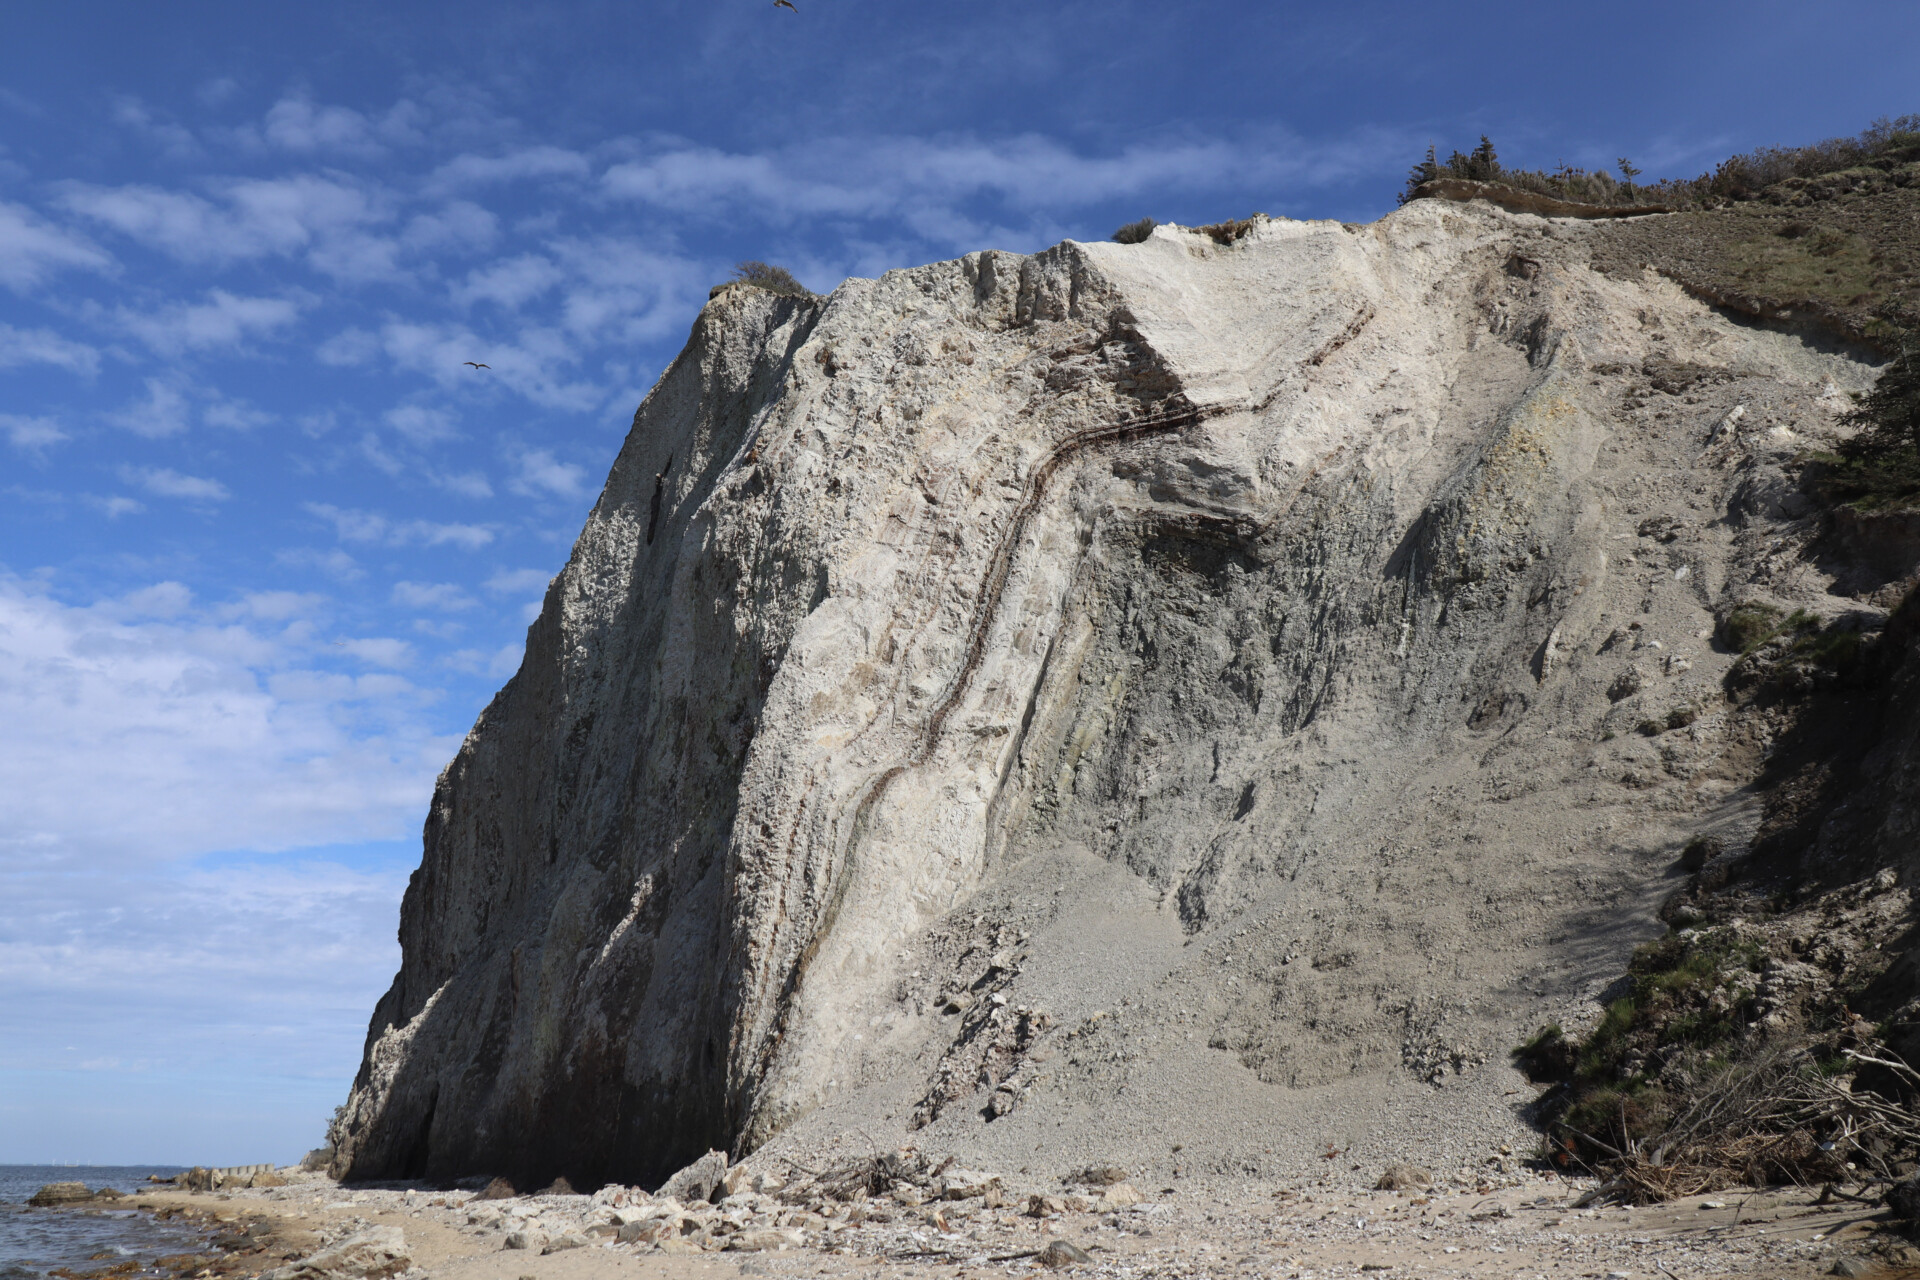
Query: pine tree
{"points": [[1426, 171], [1483, 165]]}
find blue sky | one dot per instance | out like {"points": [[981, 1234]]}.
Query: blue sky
{"points": [[267, 545]]}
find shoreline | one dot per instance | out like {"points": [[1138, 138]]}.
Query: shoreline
{"points": [[314, 1229]]}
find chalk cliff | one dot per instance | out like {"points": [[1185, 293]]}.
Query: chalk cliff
{"points": [[1131, 695]]}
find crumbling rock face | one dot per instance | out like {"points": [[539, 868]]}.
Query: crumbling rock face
{"points": [[1219, 637]]}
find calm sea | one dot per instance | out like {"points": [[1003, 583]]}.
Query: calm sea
{"points": [[34, 1241]]}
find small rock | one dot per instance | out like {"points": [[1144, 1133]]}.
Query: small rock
{"points": [[267, 1178], [522, 1240], [760, 1239], [1100, 1175], [563, 1243], [1401, 1176], [1059, 1253], [498, 1189], [1852, 1267], [907, 1194], [1121, 1195], [60, 1193], [684, 1244], [697, 1181], [965, 1184], [558, 1187], [1079, 1203], [650, 1232], [1045, 1206]]}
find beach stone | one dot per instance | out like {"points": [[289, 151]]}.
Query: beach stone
{"points": [[522, 1239], [558, 1187], [1121, 1195], [1100, 1175], [1045, 1206], [55, 1193], [761, 1239], [1079, 1202], [652, 1232], [317, 1160], [965, 1184], [1401, 1176], [560, 1244], [684, 1244], [698, 1180], [907, 1194], [267, 1178], [498, 1189], [373, 1254], [1060, 1253], [1852, 1267]]}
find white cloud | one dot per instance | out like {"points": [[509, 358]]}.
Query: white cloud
{"points": [[511, 283], [162, 413], [31, 435], [326, 219], [223, 320], [541, 474], [172, 140], [145, 728], [234, 415], [165, 482], [468, 484], [115, 506], [32, 249], [515, 581], [381, 651], [422, 426], [370, 527], [43, 346], [443, 596], [515, 166], [335, 563], [299, 124]]}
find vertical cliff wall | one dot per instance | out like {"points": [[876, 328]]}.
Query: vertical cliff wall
{"points": [[1181, 687]]}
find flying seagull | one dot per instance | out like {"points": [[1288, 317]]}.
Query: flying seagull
{"points": [[476, 364], [784, 4]]}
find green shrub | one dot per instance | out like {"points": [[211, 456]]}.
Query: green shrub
{"points": [[1135, 232], [764, 275], [1880, 466], [1748, 626]]}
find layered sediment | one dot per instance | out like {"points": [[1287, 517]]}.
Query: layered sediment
{"points": [[1099, 703]]}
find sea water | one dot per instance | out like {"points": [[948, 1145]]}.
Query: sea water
{"points": [[34, 1241]]}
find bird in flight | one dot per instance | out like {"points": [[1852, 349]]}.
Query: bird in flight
{"points": [[784, 4], [476, 364]]}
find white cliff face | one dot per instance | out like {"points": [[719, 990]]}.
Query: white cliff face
{"points": [[1192, 664]]}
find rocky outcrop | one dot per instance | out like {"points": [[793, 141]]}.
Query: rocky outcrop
{"points": [[1127, 691]]}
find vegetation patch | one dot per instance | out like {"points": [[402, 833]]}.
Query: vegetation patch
{"points": [[1236, 229], [764, 275], [1135, 232], [1887, 147]]}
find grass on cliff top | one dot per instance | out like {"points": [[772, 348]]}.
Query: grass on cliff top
{"points": [[1885, 144]]}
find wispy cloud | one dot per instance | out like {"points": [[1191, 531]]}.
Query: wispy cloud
{"points": [[163, 411], [33, 250], [20, 347], [539, 474], [371, 527], [444, 597], [167, 713], [165, 482], [31, 435], [516, 581], [223, 320]]}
